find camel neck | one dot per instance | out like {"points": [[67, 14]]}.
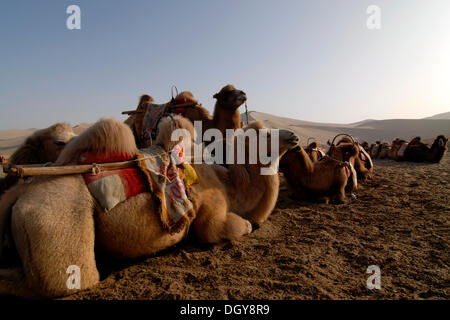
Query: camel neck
{"points": [[436, 153], [224, 118]]}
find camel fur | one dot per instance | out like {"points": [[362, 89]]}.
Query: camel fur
{"points": [[43, 146], [54, 220], [364, 168], [324, 180]]}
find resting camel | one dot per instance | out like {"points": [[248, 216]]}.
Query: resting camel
{"points": [[324, 180], [363, 163], [379, 150], [41, 147], [226, 111], [366, 146], [134, 121], [52, 219], [314, 151], [417, 151]]}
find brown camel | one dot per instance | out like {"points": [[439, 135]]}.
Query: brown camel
{"points": [[226, 111], [314, 151], [363, 163], [41, 147], [324, 180], [418, 151], [398, 148], [366, 146], [134, 121], [380, 150], [52, 219]]}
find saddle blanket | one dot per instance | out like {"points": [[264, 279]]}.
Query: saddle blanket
{"points": [[165, 175]]}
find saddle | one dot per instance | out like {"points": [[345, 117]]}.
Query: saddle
{"points": [[166, 176]]}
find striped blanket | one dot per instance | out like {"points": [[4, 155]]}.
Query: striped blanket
{"points": [[165, 175]]}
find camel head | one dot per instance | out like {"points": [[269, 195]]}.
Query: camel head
{"points": [[366, 146], [143, 101], [441, 141], [230, 98], [44, 145], [286, 141]]}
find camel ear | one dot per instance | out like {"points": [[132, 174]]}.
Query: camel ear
{"points": [[239, 176]]}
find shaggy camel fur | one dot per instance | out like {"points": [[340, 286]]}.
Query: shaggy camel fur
{"points": [[324, 180], [363, 163], [50, 235], [417, 151], [41, 147]]}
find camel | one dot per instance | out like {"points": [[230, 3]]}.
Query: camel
{"points": [[366, 146], [55, 222], [380, 150], [417, 151], [43, 146], [314, 151], [226, 111], [398, 148], [324, 180], [134, 121], [363, 163]]}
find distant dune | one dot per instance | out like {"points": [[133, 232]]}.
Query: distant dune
{"points": [[367, 130], [445, 115]]}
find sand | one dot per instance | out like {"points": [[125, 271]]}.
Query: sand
{"points": [[400, 222]]}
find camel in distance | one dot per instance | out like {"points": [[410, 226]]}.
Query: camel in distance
{"points": [[43, 146]]}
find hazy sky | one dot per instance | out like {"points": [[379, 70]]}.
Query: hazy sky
{"points": [[311, 60]]}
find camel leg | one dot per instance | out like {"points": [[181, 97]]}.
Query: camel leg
{"points": [[55, 239], [13, 283], [215, 225]]}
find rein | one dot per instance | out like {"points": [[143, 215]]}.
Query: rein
{"points": [[246, 112]]}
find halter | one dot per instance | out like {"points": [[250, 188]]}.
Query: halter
{"points": [[332, 146]]}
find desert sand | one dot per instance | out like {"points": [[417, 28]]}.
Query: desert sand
{"points": [[400, 222]]}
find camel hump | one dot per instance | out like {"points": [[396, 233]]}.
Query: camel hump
{"points": [[107, 136], [185, 97]]}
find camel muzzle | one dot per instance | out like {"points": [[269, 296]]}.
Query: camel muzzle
{"points": [[289, 138]]}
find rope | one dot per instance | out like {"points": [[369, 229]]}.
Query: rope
{"points": [[246, 112]]}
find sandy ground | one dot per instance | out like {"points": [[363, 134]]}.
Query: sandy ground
{"points": [[400, 222]]}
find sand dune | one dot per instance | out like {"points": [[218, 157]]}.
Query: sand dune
{"points": [[367, 130]]}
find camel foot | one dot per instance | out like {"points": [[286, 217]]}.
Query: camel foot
{"points": [[249, 227]]}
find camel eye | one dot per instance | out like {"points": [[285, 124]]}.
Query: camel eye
{"points": [[60, 143]]}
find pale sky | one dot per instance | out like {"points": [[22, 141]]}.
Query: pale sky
{"points": [[313, 60]]}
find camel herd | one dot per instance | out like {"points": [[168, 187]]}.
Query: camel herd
{"points": [[50, 224]]}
